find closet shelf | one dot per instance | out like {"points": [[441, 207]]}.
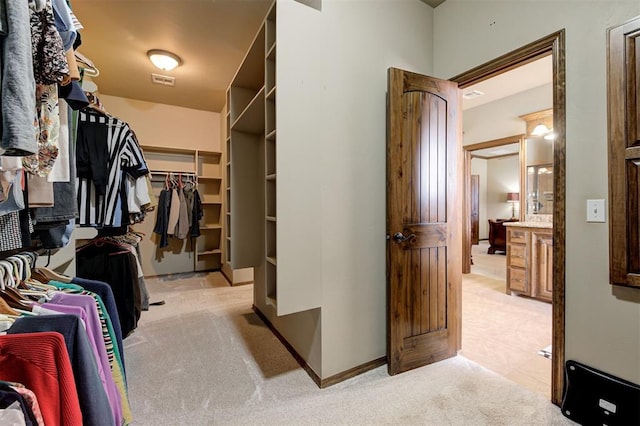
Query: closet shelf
{"points": [[271, 176], [210, 227], [207, 153], [271, 53], [271, 136], [210, 252], [167, 150], [271, 95], [251, 120], [271, 218], [271, 260], [209, 177]]}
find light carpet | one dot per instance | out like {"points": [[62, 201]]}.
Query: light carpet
{"points": [[204, 358]]}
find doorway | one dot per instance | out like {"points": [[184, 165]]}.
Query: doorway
{"points": [[551, 45], [507, 333]]}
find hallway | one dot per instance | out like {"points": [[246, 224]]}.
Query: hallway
{"points": [[504, 332]]}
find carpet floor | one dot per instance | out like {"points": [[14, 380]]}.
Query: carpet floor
{"points": [[205, 358]]}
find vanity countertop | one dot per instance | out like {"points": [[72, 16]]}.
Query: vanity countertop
{"points": [[547, 225]]}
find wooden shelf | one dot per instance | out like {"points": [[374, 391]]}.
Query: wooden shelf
{"points": [[271, 53], [167, 150], [271, 177], [271, 95], [206, 166], [271, 135], [271, 218], [210, 252], [251, 120], [272, 260], [209, 227]]}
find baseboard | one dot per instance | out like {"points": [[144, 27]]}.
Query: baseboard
{"points": [[320, 382], [352, 372]]}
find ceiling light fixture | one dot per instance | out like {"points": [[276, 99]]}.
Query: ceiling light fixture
{"points": [[166, 61]]}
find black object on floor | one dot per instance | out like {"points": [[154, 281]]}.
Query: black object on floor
{"points": [[594, 397], [158, 303]]}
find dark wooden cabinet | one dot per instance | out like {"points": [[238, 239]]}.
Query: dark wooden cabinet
{"points": [[498, 235], [624, 153]]}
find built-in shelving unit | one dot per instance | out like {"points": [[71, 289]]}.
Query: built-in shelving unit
{"points": [[262, 233], [206, 251], [247, 113]]}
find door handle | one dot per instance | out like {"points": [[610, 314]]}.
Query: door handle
{"points": [[399, 237]]}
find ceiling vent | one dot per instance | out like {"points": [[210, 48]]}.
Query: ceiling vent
{"points": [[473, 94], [164, 80]]}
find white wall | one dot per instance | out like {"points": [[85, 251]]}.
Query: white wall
{"points": [[167, 125], [602, 323], [331, 121], [503, 175], [479, 167], [500, 118]]}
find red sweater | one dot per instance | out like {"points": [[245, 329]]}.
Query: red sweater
{"points": [[40, 362]]}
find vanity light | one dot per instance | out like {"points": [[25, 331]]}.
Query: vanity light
{"points": [[540, 130], [166, 61]]}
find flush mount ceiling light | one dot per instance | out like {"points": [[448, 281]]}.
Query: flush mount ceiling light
{"points": [[166, 61]]}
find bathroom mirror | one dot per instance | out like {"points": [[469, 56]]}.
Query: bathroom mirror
{"points": [[539, 176]]}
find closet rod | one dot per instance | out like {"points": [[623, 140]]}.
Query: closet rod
{"points": [[168, 172]]}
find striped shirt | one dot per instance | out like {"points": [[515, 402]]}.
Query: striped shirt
{"points": [[106, 207]]}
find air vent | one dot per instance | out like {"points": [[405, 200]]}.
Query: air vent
{"points": [[473, 94], [164, 80]]}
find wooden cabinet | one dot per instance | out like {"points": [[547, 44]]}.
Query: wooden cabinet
{"points": [[623, 72], [530, 261], [206, 252]]}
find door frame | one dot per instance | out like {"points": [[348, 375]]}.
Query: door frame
{"points": [[468, 155], [553, 44]]}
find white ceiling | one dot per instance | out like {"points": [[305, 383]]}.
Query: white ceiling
{"points": [[526, 77], [211, 37]]}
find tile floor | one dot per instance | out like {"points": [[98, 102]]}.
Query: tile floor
{"points": [[504, 332]]}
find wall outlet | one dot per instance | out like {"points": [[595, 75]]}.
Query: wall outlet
{"points": [[595, 211]]}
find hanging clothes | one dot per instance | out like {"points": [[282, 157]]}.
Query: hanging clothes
{"points": [[92, 396], [113, 263], [18, 94], [162, 217], [40, 362], [106, 151]]}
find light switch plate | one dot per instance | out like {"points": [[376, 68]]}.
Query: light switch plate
{"points": [[595, 211]]}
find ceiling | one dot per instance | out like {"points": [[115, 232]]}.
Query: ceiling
{"points": [[211, 37]]}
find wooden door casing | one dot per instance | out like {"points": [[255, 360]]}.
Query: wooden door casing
{"points": [[423, 204]]}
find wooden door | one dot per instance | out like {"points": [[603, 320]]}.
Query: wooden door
{"points": [[424, 221], [475, 209]]}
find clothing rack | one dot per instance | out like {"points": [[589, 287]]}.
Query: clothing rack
{"points": [[165, 173]]}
